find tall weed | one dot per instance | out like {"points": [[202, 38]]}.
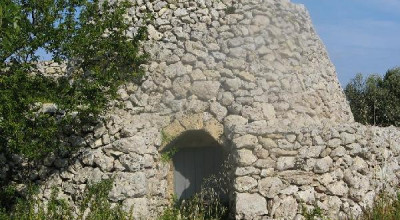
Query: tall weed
{"points": [[94, 205], [385, 208]]}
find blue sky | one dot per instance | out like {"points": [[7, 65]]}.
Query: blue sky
{"points": [[362, 36]]}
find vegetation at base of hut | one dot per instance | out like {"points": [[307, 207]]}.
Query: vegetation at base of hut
{"points": [[94, 205], [385, 208]]}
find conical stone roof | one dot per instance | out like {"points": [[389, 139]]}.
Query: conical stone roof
{"points": [[260, 59]]}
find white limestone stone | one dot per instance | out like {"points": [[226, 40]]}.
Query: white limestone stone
{"points": [[250, 206]]}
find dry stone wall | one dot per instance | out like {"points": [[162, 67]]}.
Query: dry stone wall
{"points": [[256, 77], [339, 169]]}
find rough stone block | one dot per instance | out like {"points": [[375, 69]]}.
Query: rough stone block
{"points": [[285, 163], [323, 165], [245, 141], [250, 206], [128, 185], [245, 157], [205, 90]]}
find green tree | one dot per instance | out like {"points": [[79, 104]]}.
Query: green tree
{"points": [[375, 100], [92, 35], [95, 37], [355, 93]]}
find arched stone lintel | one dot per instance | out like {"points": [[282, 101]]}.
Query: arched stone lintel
{"points": [[192, 122]]}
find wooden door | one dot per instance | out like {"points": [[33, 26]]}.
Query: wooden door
{"points": [[192, 165]]}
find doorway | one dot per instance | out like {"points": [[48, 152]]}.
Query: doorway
{"points": [[198, 157]]}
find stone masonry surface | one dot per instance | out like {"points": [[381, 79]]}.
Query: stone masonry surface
{"points": [[256, 77], [337, 168]]}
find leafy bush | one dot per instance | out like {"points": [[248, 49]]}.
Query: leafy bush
{"points": [[93, 206], [167, 155], [92, 35]]}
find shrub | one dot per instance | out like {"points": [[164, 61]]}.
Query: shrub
{"points": [[93, 206], [93, 36], [209, 203], [199, 207], [312, 214], [385, 208]]}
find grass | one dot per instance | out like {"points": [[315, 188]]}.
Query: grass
{"points": [[385, 208], [312, 214], [93, 206], [168, 154], [202, 206], [206, 204]]}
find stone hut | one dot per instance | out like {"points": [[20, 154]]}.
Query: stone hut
{"points": [[248, 78]]}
